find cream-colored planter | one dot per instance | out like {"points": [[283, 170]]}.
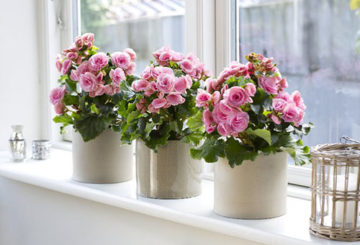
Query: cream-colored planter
{"points": [[253, 190], [103, 159], [170, 173]]}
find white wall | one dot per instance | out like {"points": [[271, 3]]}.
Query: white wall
{"points": [[19, 69]]}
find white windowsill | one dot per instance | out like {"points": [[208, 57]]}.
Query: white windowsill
{"points": [[55, 174]]}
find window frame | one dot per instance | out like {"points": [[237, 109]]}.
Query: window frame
{"points": [[209, 33]]}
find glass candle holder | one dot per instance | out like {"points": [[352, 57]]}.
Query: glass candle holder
{"points": [[41, 149], [335, 192]]}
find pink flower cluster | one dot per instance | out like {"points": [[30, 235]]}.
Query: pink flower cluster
{"points": [[226, 105], [88, 69], [56, 97], [159, 85], [90, 73], [189, 64], [223, 108], [290, 108], [162, 82], [76, 53]]}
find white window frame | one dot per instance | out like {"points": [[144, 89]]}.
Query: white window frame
{"points": [[208, 25]]}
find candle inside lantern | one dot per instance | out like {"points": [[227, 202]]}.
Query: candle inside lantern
{"points": [[350, 205]]}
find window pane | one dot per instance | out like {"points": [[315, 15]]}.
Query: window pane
{"points": [[143, 25], [314, 44]]}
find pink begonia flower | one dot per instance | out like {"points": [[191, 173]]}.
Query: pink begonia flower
{"points": [[66, 66], [98, 61], [57, 94], [279, 104], [202, 98], [88, 39], [215, 98], [131, 69], [100, 90], [181, 84], [99, 77], [121, 60], [109, 90], [208, 121], [210, 84], [58, 63], [283, 84], [291, 113], [224, 89], [299, 102], [176, 57], [59, 108], [141, 105], [74, 75], [239, 121], [250, 89], [159, 103], [269, 84], [152, 109], [88, 82], [150, 90], [275, 119], [165, 82], [83, 68], [79, 43], [175, 99], [299, 118], [221, 112], [146, 74], [284, 96], [223, 129], [140, 85], [187, 66], [236, 96], [117, 76], [165, 56], [131, 53], [72, 55]]}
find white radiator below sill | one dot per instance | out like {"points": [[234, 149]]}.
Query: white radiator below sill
{"points": [[194, 213]]}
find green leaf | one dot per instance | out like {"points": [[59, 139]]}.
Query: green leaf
{"points": [[158, 137], [71, 85], [210, 150], [237, 152], [262, 133], [65, 119], [132, 116], [90, 127], [94, 109], [195, 122], [71, 99]]}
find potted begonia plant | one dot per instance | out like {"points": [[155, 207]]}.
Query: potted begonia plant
{"points": [[87, 98], [157, 117], [251, 122]]}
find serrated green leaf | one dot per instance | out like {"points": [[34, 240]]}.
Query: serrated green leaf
{"points": [[210, 150], [262, 133], [90, 127], [236, 152], [94, 109], [71, 99]]}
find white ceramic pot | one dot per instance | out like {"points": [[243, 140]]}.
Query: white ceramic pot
{"points": [[103, 159], [170, 173], [253, 190]]}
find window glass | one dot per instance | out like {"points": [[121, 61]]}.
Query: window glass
{"points": [[143, 25], [315, 46]]}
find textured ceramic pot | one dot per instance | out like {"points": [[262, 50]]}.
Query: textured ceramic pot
{"points": [[170, 173], [103, 159], [253, 190]]}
